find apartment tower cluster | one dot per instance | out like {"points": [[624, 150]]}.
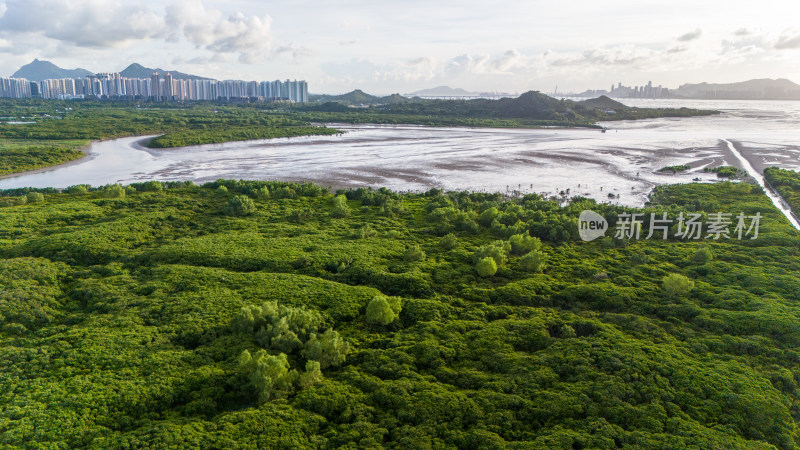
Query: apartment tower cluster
{"points": [[159, 87]]}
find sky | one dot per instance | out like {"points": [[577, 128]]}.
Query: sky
{"points": [[385, 47]]}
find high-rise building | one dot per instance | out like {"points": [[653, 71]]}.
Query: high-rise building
{"points": [[157, 87]]}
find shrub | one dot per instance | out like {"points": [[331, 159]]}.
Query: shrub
{"points": [[486, 266], [328, 348], [487, 217], [365, 232], [149, 186], [262, 193], [130, 190], [702, 256], [339, 200], [301, 215], [78, 189], [240, 205], [268, 374], [498, 250], [413, 254], [677, 285], [524, 243], [382, 310], [222, 190], [113, 191], [35, 197], [284, 192], [534, 261], [448, 242], [312, 375], [340, 212]]}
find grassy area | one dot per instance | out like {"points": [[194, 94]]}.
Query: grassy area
{"points": [[19, 155], [256, 314], [787, 183]]}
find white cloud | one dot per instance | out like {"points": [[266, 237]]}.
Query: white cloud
{"points": [[109, 24], [509, 60], [786, 42], [90, 23], [690, 36], [248, 36]]}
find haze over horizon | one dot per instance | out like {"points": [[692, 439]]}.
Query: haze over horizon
{"points": [[338, 46]]}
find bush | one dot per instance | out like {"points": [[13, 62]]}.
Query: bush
{"points": [[365, 232], [487, 217], [78, 189], [340, 212], [497, 250], [328, 348], [534, 261], [448, 242], [268, 374], [222, 190], [240, 205], [284, 192], [677, 285], [130, 190], [113, 191], [35, 197], [413, 254], [149, 186], [486, 267], [262, 193], [382, 310], [702, 256], [524, 243]]}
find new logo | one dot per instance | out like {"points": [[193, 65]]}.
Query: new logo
{"points": [[591, 225]]}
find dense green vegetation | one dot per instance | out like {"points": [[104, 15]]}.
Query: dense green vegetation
{"points": [[727, 171], [263, 315], [19, 155], [531, 109], [787, 183], [675, 169]]}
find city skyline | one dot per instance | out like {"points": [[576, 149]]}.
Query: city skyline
{"points": [[159, 87], [512, 46]]}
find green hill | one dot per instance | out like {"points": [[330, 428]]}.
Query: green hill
{"points": [[42, 70], [136, 70]]}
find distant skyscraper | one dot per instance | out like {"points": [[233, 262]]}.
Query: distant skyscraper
{"points": [[169, 87], [155, 91]]}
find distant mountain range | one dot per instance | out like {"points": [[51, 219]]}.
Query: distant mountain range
{"points": [[138, 71], [764, 88], [43, 70], [443, 91]]}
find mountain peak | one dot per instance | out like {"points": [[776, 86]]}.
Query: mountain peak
{"points": [[136, 70], [38, 70]]}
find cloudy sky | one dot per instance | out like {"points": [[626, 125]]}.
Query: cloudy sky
{"points": [[390, 46]]}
